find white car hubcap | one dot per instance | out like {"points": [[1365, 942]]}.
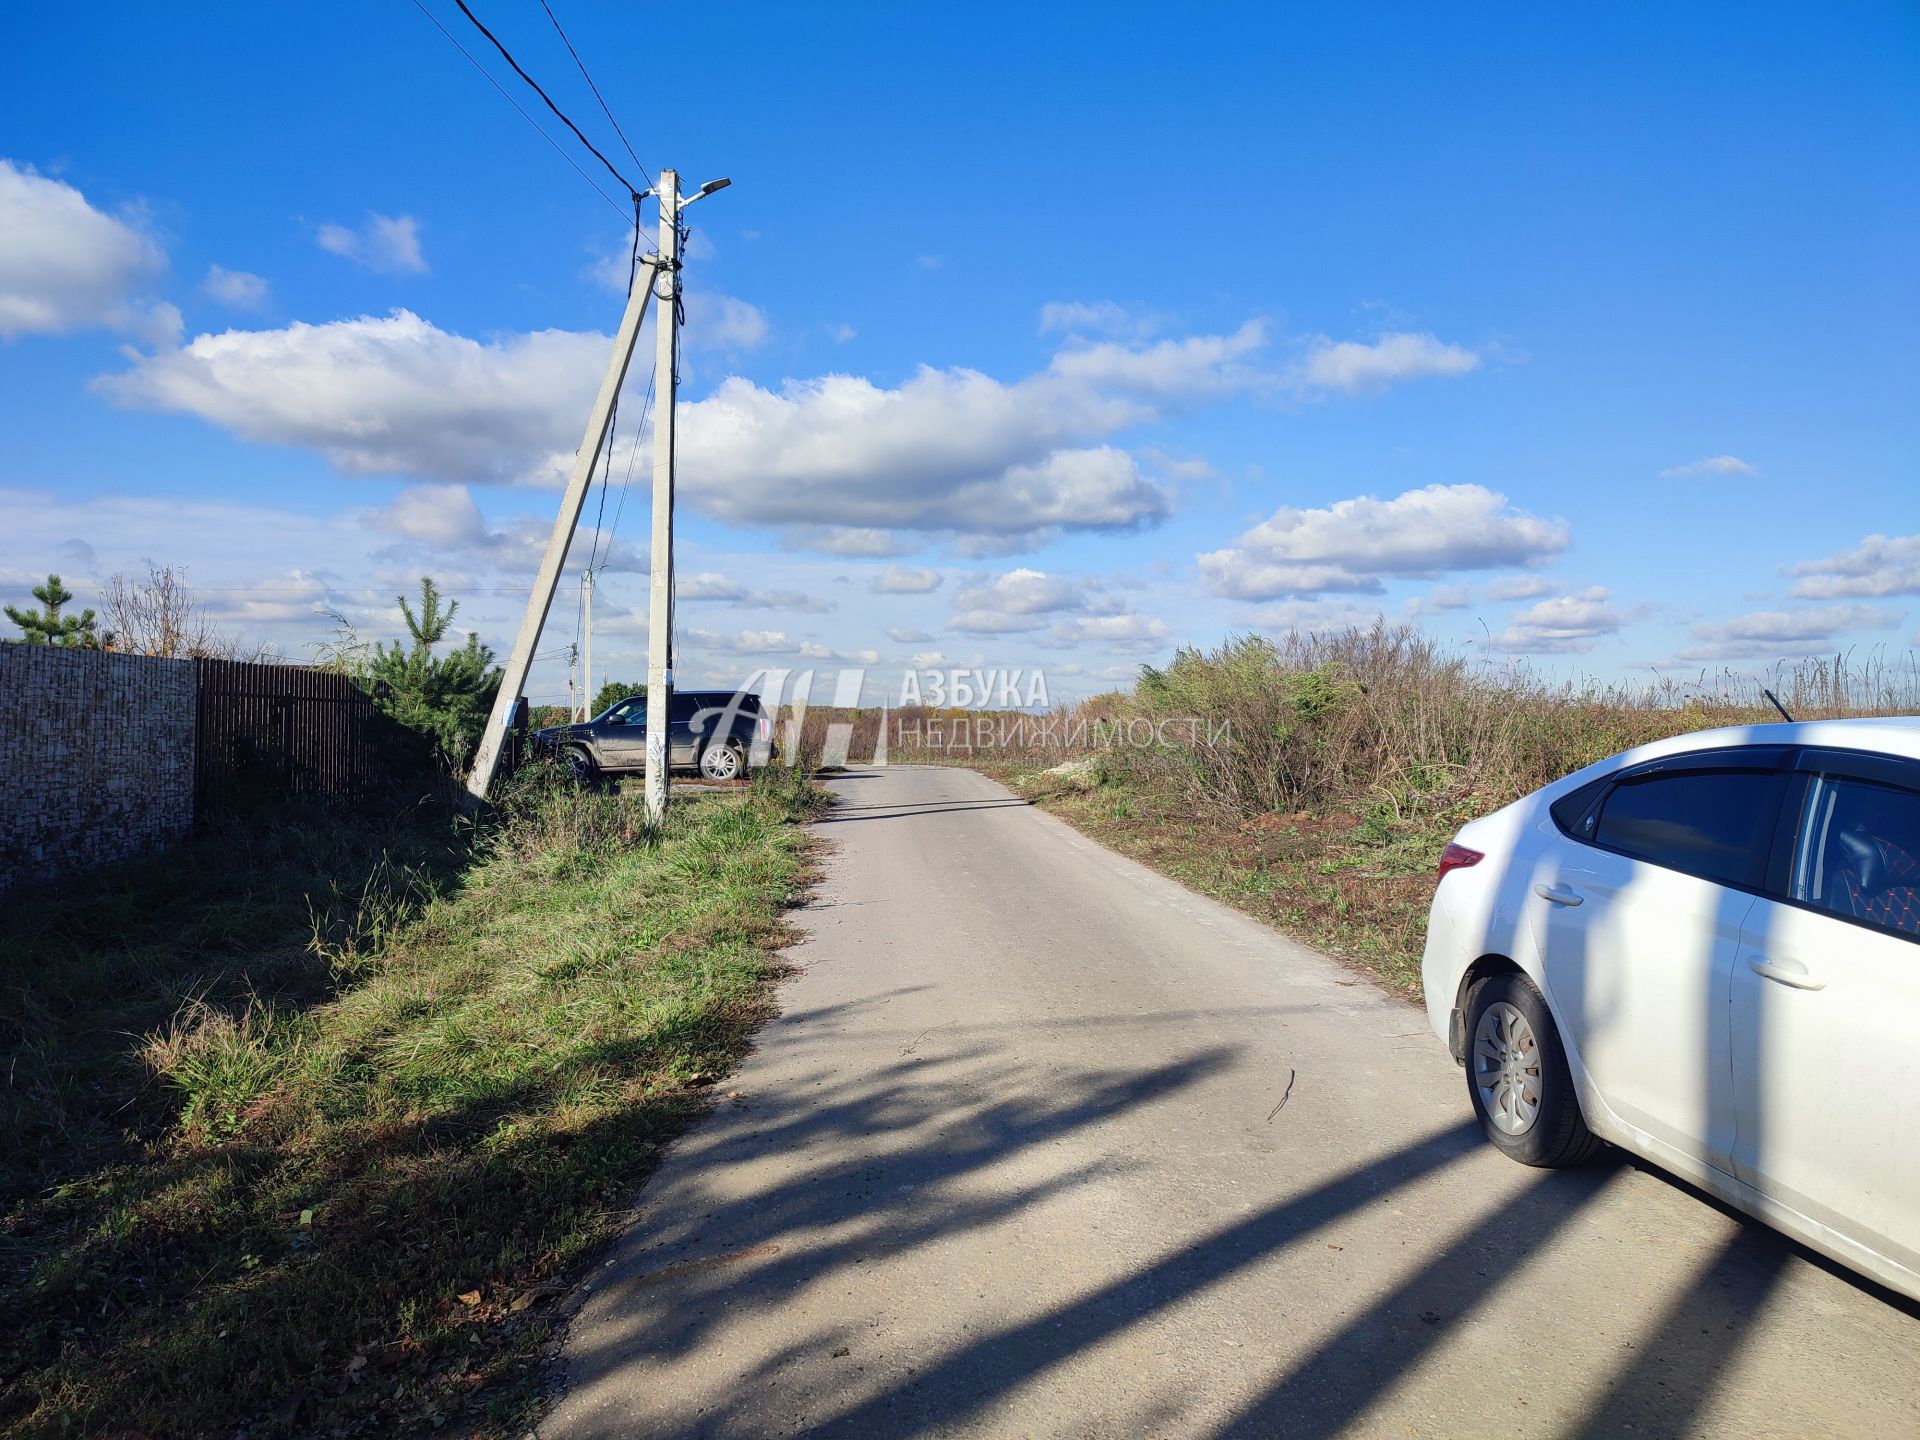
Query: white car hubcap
{"points": [[1506, 1068]]}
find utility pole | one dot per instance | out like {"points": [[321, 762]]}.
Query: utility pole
{"points": [[513, 679], [587, 692], [665, 284], [573, 693], [666, 358]]}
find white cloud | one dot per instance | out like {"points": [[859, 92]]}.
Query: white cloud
{"points": [[1352, 544], [842, 333], [847, 466], [853, 541], [1713, 465], [1564, 625], [906, 580], [1022, 592], [1439, 600], [1519, 587], [1180, 468], [1350, 367], [1019, 602], [988, 547], [947, 450], [901, 635], [709, 585], [742, 642], [238, 288], [1127, 634], [1320, 615], [390, 395], [388, 244], [1782, 634], [448, 519], [995, 622], [1879, 565], [444, 516], [814, 650], [66, 266], [722, 322], [1097, 317], [1167, 369]]}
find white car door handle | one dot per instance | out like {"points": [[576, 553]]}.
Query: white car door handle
{"points": [[1558, 895], [1787, 972]]}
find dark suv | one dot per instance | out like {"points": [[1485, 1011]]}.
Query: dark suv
{"points": [[716, 732]]}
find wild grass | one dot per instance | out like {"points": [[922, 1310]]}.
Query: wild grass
{"points": [[1322, 773], [304, 1121]]}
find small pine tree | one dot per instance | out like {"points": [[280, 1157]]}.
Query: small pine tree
{"points": [[445, 696], [47, 626]]}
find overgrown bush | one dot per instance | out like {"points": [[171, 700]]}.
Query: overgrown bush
{"points": [[1388, 718]]}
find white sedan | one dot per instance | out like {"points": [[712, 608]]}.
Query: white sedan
{"points": [[1707, 951]]}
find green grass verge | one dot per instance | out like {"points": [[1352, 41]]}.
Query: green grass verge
{"points": [[303, 1122], [1353, 883]]}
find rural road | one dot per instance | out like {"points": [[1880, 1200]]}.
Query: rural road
{"points": [[1045, 1145]]}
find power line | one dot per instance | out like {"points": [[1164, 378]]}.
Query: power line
{"points": [[626, 483], [595, 88], [507, 55], [606, 478], [557, 148]]}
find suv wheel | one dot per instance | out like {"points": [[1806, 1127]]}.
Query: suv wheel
{"points": [[579, 764], [722, 762], [1518, 1078]]}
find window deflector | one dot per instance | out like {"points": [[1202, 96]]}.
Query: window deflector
{"points": [[1810, 854]]}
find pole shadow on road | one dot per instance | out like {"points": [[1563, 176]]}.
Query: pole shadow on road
{"points": [[673, 1298]]}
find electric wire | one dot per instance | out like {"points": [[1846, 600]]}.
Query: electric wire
{"points": [[558, 149], [646, 412], [507, 55], [595, 88]]}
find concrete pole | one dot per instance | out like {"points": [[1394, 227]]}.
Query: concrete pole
{"points": [[666, 286], [513, 681], [587, 692]]}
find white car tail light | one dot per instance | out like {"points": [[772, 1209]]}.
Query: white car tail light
{"points": [[1457, 857]]}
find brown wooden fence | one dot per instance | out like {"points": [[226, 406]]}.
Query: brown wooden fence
{"points": [[265, 730]]}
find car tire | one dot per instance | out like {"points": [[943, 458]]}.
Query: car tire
{"points": [[580, 764], [722, 763], [1518, 1079]]}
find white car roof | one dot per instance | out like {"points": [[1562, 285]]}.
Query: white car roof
{"points": [[1892, 735]]}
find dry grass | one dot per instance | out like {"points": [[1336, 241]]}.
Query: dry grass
{"points": [[1324, 773]]}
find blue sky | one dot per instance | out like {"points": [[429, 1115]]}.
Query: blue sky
{"points": [[1039, 336]]}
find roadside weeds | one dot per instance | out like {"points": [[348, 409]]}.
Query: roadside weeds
{"points": [[1356, 886]]}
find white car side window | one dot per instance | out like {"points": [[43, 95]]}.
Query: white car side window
{"points": [[1858, 853]]}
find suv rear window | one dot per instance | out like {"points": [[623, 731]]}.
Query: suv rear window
{"points": [[1716, 824]]}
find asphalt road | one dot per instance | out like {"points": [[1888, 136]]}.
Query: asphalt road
{"points": [[1045, 1145]]}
